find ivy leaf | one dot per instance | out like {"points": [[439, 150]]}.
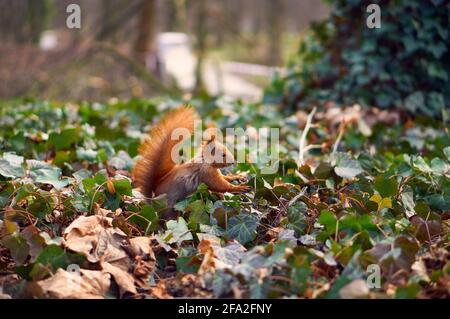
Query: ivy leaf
{"points": [[323, 170], [408, 202], [18, 247], [398, 255], [242, 227], [82, 174], [387, 187], [421, 165], [42, 172], [447, 152], [11, 165], [220, 214], [159, 203], [267, 184], [89, 155], [101, 177], [197, 212], [297, 217], [328, 220], [409, 292], [63, 140], [438, 166], [122, 186], [177, 231], [147, 218], [121, 161], [426, 229], [346, 167], [439, 201], [188, 264], [56, 257]]}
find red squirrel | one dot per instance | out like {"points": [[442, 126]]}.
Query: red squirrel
{"points": [[157, 173]]}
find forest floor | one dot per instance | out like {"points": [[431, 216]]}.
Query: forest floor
{"points": [[362, 210]]}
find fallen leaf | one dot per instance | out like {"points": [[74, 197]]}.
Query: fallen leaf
{"points": [[160, 291], [141, 246], [87, 284], [426, 230], [124, 280], [95, 237], [357, 289]]}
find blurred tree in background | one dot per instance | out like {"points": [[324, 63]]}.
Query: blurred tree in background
{"points": [[39, 15], [403, 64], [22, 21], [115, 53], [144, 42]]}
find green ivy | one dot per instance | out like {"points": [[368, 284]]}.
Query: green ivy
{"points": [[403, 64]]}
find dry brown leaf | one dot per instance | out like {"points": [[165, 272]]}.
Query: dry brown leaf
{"points": [[355, 290], [217, 257], [349, 114], [87, 284], [187, 285], [142, 271], [95, 237], [129, 261], [124, 280], [4, 296], [160, 291], [144, 259], [209, 262], [140, 246], [141, 259]]}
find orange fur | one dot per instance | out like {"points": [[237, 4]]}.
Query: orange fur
{"points": [[156, 173], [156, 150]]}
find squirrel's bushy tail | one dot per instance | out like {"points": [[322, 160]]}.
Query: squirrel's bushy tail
{"points": [[156, 150]]}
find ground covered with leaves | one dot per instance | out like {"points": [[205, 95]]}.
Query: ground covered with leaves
{"points": [[373, 189]]}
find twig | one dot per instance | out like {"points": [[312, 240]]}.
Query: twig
{"points": [[297, 197], [339, 137], [336, 232], [302, 149], [95, 194]]}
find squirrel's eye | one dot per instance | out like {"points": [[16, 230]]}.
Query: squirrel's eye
{"points": [[213, 151]]}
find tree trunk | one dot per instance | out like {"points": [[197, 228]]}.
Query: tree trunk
{"points": [[108, 17], [39, 14], [275, 24], [144, 45], [200, 33]]}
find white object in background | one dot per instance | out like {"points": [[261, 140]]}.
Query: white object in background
{"points": [[48, 40], [176, 59]]}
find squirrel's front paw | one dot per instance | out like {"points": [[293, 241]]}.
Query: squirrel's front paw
{"points": [[241, 188]]}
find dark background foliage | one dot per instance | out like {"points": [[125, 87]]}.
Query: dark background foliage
{"points": [[404, 64]]}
